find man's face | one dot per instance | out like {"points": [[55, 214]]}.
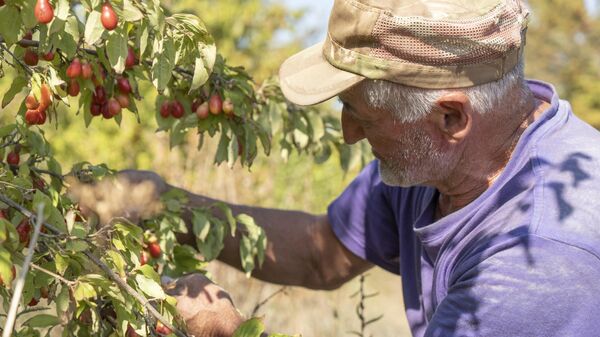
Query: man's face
{"points": [[408, 153]]}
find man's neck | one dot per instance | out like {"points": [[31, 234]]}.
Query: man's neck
{"points": [[476, 174]]}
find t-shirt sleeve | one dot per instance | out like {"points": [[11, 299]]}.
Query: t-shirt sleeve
{"points": [[544, 289], [362, 219]]}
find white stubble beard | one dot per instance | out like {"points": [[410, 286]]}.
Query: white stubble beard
{"points": [[416, 161]]}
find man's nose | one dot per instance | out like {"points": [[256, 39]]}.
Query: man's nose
{"points": [[352, 130]]}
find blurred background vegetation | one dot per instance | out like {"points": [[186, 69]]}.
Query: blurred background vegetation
{"points": [[563, 48]]}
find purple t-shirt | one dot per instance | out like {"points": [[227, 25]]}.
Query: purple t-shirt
{"points": [[522, 260]]}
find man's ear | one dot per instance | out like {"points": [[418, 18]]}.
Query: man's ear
{"points": [[453, 116]]}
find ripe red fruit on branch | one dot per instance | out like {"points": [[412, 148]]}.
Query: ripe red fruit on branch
{"points": [[43, 11], [86, 70], [74, 69], [95, 109], [73, 88], [143, 258], [196, 104], [49, 56], [162, 329], [34, 301], [123, 100], [215, 104], [154, 250], [165, 109], [32, 116], [31, 58], [41, 117], [39, 184], [45, 97], [131, 60], [1, 3], [44, 292], [228, 107], [31, 103], [177, 110], [13, 158], [105, 113], [24, 229], [202, 111], [114, 108], [99, 95], [131, 332], [124, 85], [109, 17]]}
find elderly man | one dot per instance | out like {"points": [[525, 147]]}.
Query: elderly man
{"points": [[483, 197]]}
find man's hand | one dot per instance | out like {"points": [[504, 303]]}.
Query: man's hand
{"points": [[206, 308], [130, 194]]}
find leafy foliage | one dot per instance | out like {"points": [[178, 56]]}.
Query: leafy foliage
{"points": [[95, 274]]}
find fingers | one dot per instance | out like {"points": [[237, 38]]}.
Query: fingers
{"points": [[196, 293]]}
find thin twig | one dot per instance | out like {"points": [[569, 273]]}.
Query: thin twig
{"points": [[111, 274], [26, 67], [133, 293], [50, 173], [32, 43], [56, 276], [270, 297], [14, 304]]}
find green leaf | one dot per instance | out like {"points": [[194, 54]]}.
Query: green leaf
{"points": [[232, 152], [61, 263], [130, 12], [84, 291], [228, 216], [52, 215], [142, 38], [150, 287], [62, 300], [5, 266], [163, 64], [185, 259], [76, 245], [10, 24], [7, 129], [118, 261], [62, 9], [253, 327], [17, 85], [65, 36], [200, 75], [222, 150], [201, 225], [93, 28], [116, 48], [42, 321], [27, 14]]}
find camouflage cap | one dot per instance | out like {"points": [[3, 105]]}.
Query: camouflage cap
{"points": [[433, 44]]}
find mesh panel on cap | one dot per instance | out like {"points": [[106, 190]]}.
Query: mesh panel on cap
{"points": [[453, 42]]}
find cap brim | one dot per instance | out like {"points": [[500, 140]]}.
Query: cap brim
{"points": [[307, 78]]}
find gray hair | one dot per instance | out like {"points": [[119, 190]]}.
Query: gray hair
{"points": [[411, 104]]}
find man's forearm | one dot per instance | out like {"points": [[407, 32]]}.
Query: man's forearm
{"points": [[288, 257]]}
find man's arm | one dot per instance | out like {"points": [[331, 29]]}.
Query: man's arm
{"points": [[302, 249]]}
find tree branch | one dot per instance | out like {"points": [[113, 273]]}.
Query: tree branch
{"points": [[32, 43], [26, 67], [56, 276], [20, 284], [111, 274]]}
